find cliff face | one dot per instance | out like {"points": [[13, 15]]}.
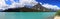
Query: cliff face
{"points": [[40, 8], [28, 10], [36, 8]]}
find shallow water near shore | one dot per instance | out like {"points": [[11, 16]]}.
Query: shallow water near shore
{"points": [[27, 15]]}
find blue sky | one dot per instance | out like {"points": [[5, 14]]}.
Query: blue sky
{"points": [[9, 2], [53, 2]]}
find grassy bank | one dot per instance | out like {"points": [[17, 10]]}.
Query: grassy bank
{"points": [[57, 13]]}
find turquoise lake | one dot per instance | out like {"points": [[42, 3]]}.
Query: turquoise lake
{"points": [[27, 15]]}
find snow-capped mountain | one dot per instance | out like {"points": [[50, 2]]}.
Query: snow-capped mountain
{"points": [[22, 3]]}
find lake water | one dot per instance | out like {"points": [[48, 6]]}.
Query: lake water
{"points": [[27, 15]]}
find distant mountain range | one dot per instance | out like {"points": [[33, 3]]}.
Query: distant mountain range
{"points": [[40, 7], [37, 8]]}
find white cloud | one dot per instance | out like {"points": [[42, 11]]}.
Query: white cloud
{"points": [[3, 6], [21, 3], [41, 3], [49, 6]]}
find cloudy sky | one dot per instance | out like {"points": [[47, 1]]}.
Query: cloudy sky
{"points": [[50, 3], [5, 4]]}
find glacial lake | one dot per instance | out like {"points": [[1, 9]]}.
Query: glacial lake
{"points": [[27, 15]]}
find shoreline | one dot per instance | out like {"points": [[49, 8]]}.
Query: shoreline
{"points": [[57, 17]]}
